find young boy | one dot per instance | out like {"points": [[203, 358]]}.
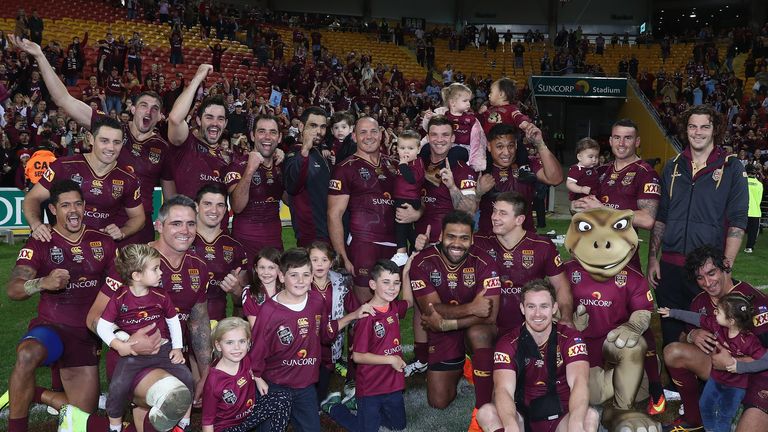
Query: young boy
{"points": [[378, 354], [582, 177], [287, 337], [340, 145], [407, 188]]}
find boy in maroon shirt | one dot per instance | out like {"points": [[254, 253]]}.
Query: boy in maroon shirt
{"points": [[376, 350], [287, 336], [407, 188]]}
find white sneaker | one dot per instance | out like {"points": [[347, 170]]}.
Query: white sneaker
{"points": [[416, 367], [748, 250], [400, 259], [52, 411], [103, 401]]}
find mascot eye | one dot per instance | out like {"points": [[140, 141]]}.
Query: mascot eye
{"points": [[584, 226], [620, 225]]}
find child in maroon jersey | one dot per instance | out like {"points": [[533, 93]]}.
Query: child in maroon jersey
{"points": [[266, 286], [582, 177], [378, 353], [331, 285], [731, 326], [467, 130], [339, 144], [234, 400], [133, 306], [407, 188]]}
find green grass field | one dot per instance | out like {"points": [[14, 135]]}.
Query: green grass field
{"points": [[751, 268]]}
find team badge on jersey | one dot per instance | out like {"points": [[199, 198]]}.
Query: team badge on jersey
{"points": [[56, 254], [77, 178], [117, 191], [256, 179], [154, 155], [717, 174], [628, 179], [527, 258], [285, 335], [229, 397], [378, 328], [576, 277], [229, 254], [469, 277], [621, 279], [436, 278], [97, 250], [194, 279], [260, 298], [364, 174]]}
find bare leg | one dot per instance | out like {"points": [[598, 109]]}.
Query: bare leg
{"points": [[30, 354]]}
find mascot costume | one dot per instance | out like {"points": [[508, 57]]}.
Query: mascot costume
{"points": [[613, 311]]}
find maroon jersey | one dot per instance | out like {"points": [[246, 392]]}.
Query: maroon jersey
{"points": [[147, 160], [286, 343], [533, 257], [196, 164], [132, 313], [436, 197], [507, 114], [221, 256], [621, 189], [258, 225], [114, 86], [228, 399], [462, 126], [743, 344], [406, 190], [252, 300], [91, 94], [370, 187], [583, 177], [186, 286], [106, 197], [704, 305], [87, 258], [455, 284], [609, 304], [380, 335], [507, 180], [570, 348]]}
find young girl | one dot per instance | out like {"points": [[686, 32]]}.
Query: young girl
{"points": [[332, 287], [267, 262], [407, 188], [467, 130], [731, 326], [136, 304], [233, 399]]}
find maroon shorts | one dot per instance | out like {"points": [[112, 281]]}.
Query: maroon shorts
{"points": [[254, 243], [81, 347], [757, 392], [546, 425], [363, 255], [446, 346]]}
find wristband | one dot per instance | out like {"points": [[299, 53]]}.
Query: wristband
{"points": [[448, 325], [32, 286], [122, 336], [689, 337]]}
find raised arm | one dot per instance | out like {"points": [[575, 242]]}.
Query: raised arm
{"points": [[178, 129], [551, 172]]}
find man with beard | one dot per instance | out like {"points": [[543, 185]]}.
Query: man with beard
{"points": [[456, 285], [505, 175], [306, 176], [66, 270], [363, 184], [701, 350], [255, 185], [522, 256], [113, 194], [145, 152], [224, 256], [198, 157]]}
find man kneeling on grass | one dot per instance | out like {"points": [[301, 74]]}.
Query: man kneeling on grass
{"points": [[546, 352]]}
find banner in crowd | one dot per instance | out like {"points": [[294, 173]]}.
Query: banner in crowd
{"points": [[12, 215], [580, 87]]}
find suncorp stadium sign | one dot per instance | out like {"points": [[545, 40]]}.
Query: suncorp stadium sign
{"points": [[581, 87]]}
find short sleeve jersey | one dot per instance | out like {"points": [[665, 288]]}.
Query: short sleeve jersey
{"points": [[583, 177], [533, 257], [436, 197], [454, 284], [252, 300], [744, 344], [410, 191], [88, 259], [228, 399], [609, 303], [508, 179], [622, 189], [196, 164], [185, 285], [106, 197], [286, 343], [369, 187], [261, 216], [462, 126], [507, 114], [132, 313], [147, 160], [380, 335], [221, 257], [704, 305], [570, 348]]}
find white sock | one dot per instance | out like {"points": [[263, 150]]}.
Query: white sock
{"points": [[183, 423]]}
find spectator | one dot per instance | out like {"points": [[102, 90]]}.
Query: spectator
{"points": [[177, 42], [35, 24]]}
